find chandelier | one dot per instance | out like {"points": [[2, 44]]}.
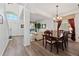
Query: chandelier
{"points": [[57, 18]]}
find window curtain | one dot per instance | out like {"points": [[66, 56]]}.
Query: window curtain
{"points": [[71, 22]]}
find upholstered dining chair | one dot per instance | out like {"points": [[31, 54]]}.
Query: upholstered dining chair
{"points": [[50, 41], [48, 32], [60, 41], [64, 40]]}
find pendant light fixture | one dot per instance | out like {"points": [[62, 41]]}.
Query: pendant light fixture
{"points": [[57, 18]]}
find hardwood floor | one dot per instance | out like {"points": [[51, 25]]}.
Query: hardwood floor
{"points": [[37, 49], [16, 48]]}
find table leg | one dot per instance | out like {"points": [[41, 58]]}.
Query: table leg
{"points": [[57, 47], [43, 42]]}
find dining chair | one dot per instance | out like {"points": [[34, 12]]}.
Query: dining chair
{"points": [[65, 39], [60, 41], [47, 32], [50, 41]]}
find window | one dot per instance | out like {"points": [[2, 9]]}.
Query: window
{"points": [[11, 16]]}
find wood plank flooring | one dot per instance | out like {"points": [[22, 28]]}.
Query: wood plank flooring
{"points": [[37, 49], [16, 48]]}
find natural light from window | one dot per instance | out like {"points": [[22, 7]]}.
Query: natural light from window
{"points": [[11, 16]]}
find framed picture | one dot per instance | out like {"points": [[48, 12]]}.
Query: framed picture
{"points": [[1, 19], [43, 26], [22, 25]]}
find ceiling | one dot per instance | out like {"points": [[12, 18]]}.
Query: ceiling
{"points": [[49, 9], [38, 17], [40, 11]]}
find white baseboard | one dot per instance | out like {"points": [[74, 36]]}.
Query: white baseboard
{"points": [[5, 47], [6, 44], [17, 35]]}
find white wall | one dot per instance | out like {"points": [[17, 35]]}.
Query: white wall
{"points": [[53, 26], [26, 27], [4, 34], [15, 25], [77, 27], [64, 25], [49, 24], [21, 19]]}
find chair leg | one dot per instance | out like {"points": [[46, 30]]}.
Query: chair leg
{"points": [[46, 45], [65, 45], [43, 42], [62, 47], [51, 48], [57, 47]]}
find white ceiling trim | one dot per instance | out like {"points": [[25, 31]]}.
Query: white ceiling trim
{"points": [[76, 11], [50, 9]]}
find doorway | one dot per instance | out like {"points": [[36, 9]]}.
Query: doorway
{"points": [[72, 24]]}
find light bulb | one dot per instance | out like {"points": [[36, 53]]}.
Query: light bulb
{"points": [[54, 18], [60, 17]]}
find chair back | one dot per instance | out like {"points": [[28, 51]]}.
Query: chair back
{"points": [[47, 35], [48, 32], [65, 34]]}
